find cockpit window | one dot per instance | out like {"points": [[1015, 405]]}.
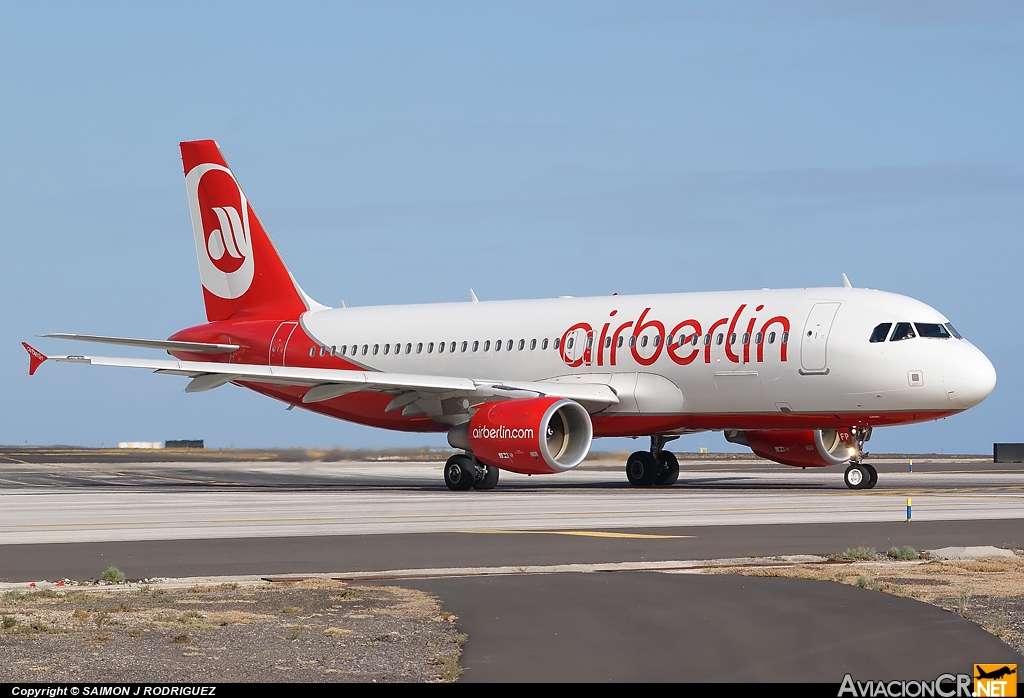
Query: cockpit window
{"points": [[952, 330], [881, 332], [904, 330], [932, 329]]}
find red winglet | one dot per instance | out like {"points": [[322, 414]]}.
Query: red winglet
{"points": [[35, 357]]}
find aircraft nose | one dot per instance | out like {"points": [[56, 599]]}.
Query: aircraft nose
{"points": [[969, 378]]}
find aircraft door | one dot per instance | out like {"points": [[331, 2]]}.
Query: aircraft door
{"points": [[814, 340], [577, 346], [279, 344]]}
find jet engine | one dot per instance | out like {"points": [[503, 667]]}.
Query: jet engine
{"points": [[531, 436], [802, 448]]}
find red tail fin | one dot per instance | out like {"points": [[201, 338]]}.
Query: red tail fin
{"points": [[242, 273]]}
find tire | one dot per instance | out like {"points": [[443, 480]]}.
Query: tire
{"points": [[642, 469], [857, 477], [460, 473], [669, 472], [872, 476], [489, 480]]}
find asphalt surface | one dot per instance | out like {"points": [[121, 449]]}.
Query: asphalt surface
{"points": [[73, 519], [646, 626], [309, 554], [49, 503]]}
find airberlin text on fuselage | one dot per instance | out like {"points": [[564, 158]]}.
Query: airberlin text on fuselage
{"points": [[683, 353]]}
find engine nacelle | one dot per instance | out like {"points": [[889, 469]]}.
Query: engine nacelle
{"points": [[532, 436], [802, 448]]}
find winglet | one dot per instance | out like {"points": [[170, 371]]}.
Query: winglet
{"points": [[35, 357], [846, 282]]}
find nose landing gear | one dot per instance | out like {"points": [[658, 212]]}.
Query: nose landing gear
{"points": [[860, 475]]}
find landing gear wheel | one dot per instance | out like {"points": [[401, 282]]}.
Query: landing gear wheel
{"points": [[489, 480], [669, 472], [857, 477], [460, 473], [642, 469], [872, 476]]}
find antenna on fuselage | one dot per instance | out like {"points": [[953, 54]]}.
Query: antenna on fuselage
{"points": [[846, 282], [472, 296]]}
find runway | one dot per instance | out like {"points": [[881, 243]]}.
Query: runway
{"points": [[167, 519], [74, 503]]}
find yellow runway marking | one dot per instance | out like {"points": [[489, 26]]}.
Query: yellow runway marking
{"points": [[589, 534]]}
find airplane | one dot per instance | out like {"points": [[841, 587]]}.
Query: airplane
{"points": [[800, 376], [995, 673]]}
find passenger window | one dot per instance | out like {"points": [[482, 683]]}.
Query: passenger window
{"points": [[419, 347], [312, 352], [746, 338], [570, 342], [487, 345], [707, 339], [408, 348], [366, 347], [619, 345], [497, 345], [476, 345], [657, 340], [904, 330], [533, 344], [376, 348], [343, 348], [465, 345], [386, 347], [758, 338], [932, 330], [721, 337], [695, 339], [771, 338], [785, 337], [452, 348], [522, 344], [430, 347], [732, 338], [544, 343], [952, 330], [557, 340], [880, 332], [440, 347], [509, 345], [334, 350], [643, 341], [632, 341]]}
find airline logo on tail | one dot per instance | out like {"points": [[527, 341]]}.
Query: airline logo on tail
{"points": [[220, 223]]}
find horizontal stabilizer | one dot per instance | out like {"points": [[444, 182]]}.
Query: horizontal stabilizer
{"points": [[165, 344]]}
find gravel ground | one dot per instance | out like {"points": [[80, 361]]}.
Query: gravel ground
{"points": [[312, 631], [988, 592]]}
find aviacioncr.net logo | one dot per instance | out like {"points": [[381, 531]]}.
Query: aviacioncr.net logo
{"points": [[220, 223]]}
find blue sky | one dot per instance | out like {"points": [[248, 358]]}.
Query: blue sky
{"points": [[404, 152]]}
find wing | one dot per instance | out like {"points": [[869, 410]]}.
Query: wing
{"points": [[414, 393], [197, 347]]}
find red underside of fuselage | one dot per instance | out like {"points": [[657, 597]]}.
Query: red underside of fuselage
{"points": [[368, 409]]}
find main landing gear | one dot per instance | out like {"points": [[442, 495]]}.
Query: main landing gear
{"points": [[860, 475], [654, 467], [463, 472]]}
